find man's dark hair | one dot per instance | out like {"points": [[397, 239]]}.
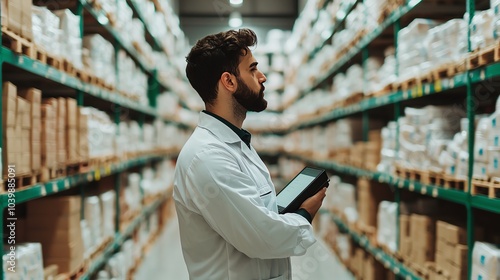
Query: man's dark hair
{"points": [[214, 55]]}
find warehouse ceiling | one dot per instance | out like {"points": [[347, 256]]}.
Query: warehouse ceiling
{"points": [[201, 17]]}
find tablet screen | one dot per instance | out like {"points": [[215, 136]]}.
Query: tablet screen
{"points": [[293, 189]]}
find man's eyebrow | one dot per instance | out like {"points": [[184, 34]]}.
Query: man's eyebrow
{"points": [[253, 64]]}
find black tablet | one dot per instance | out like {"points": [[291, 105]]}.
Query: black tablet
{"points": [[306, 184]]}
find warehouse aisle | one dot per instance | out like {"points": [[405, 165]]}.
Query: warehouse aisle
{"points": [[317, 264]]}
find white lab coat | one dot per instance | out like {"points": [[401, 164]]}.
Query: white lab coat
{"points": [[228, 217]]}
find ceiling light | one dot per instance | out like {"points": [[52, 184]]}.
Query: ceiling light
{"points": [[235, 20], [236, 3]]}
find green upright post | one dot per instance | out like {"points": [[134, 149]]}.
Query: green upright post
{"points": [[366, 125], [470, 116], [365, 55], [153, 88], [117, 115], [397, 28], [397, 195]]}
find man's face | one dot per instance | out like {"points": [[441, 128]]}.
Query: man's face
{"points": [[250, 92]]}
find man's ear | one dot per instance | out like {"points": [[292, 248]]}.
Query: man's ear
{"points": [[228, 81]]}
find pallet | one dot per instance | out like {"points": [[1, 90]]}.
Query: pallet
{"points": [[49, 173], [435, 178], [76, 274], [446, 71], [98, 161], [352, 99], [451, 182], [77, 167], [55, 62], [420, 270], [99, 249], [41, 55], [17, 43], [490, 188], [82, 75], [410, 83], [68, 67], [384, 91], [22, 181], [484, 56]]}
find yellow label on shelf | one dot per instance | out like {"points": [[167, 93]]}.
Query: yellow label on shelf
{"points": [[437, 86], [420, 92], [97, 174], [107, 169]]}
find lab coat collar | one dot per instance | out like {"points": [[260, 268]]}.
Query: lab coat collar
{"points": [[220, 130], [225, 134]]}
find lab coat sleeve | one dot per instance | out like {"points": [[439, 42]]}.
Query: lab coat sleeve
{"points": [[230, 202]]}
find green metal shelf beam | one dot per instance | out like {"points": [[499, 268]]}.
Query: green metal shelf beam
{"points": [[66, 183], [104, 22], [460, 80], [388, 261], [121, 237], [43, 70], [340, 19], [456, 196], [395, 15]]}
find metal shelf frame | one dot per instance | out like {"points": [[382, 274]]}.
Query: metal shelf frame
{"points": [[84, 90], [465, 82], [388, 261]]}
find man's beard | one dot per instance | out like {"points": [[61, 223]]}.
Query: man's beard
{"points": [[248, 99]]}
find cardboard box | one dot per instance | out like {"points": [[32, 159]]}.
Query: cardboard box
{"points": [[370, 194], [5, 14], [72, 144], [372, 269], [9, 104], [456, 234], [458, 273], [62, 250], [54, 235], [26, 23], [63, 222], [460, 256], [71, 113], [439, 259], [405, 236], [441, 246], [14, 8], [50, 206], [36, 155], [423, 233], [23, 112], [34, 97]]}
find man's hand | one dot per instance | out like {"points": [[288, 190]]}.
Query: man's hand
{"points": [[312, 204]]}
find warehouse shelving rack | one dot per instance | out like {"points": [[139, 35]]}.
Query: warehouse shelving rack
{"points": [[465, 82], [86, 91]]}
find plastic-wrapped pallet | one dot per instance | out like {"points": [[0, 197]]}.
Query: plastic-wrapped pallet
{"points": [[93, 215], [101, 133], [46, 30], [99, 57], [108, 201], [86, 238], [125, 15], [71, 39], [27, 262], [482, 29], [412, 51], [485, 261], [387, 225], [131, 79], [133, 192], [345, 201], [425, 132], [440, 38], [388, 154]]}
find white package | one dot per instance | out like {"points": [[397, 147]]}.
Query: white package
{"points": [[387, 224], [486, 260], [93, 215], [493, 167], [28, 262], [108, 201], [71, 40]]}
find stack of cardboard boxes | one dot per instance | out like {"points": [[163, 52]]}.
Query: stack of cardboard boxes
{"points": [[34, 97], [55, 223], [18, 116], [49, 137], [365, 267], [372, 150], [451, 251], [417, 240], [370, 194], [72, 131], [83, 135], [16, 16]]}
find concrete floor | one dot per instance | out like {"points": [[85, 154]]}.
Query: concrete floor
{"points": [[164, 264]]}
